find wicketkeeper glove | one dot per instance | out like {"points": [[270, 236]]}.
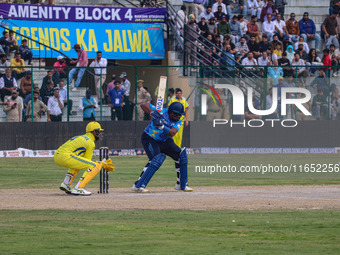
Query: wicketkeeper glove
{"points": [[108, 165]]}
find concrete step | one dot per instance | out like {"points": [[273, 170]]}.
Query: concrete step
{"points": [[85, 2], [307, 4]]}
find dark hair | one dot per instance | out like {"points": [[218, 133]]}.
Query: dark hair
{"points": [[17, 53], [209, 6], [296, 54], [240, 16], [284, 53], [4, 32], [24, 40], [252, 35], [332, 45], [116, 82], [183, 8], [171, 90], [326, 51], [99, 52], [178, 90], [253, 16]]}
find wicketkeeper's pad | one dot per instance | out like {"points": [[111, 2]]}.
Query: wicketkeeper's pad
{"points": [[92, 173]]}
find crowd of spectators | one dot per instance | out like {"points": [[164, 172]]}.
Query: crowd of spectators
{"points": [[254, 34]]}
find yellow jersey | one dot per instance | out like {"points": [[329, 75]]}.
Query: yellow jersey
{"points": [[20, 65], [82, 145]]}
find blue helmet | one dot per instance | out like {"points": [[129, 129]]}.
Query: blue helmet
{"points": [[176, 107]]}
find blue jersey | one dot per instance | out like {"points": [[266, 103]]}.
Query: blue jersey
{"points": [[158, 134]]}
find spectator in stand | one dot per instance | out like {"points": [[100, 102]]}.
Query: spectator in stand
{"points": [[203, 26], [223, 27], [254, 8], [242, 47], [286, 42], [284, 63], [38, 108], [326, 60], [26, 85], [290, 82], [218, 44], [192, 31], [47, 92], [212, 27], [250, 62], [313, 60], [320, 82], [3, 65], [275, 72], [7, 84], [280, 26], [199, 8], [268, 28], [47, 79], [253, 46], [335, 104], [330, 29], [63, 96], [13, 107], [334, 6], [190, 6], [280, 6], [29, 98], [268, 9], [290, 53], [227, 41], [82, 61], [207, 14], [54, 107], [308, 105], [335, 58], [308, 30], [219, 3], [300, 71], [238, 57], [181, 17], [264, 45], [320, 105], [305, 45], [235, 30], [303, 54], [219, 14], [236, 6], [293, 28], [275, 42], [87, 105], [5, 43], [243, 24], [25, 52], [59, 72], [116, 101], [110, 86], [125, 85], [228, 59], [253, 29], [277, 53], [264, 60], [100, 75], [20, 71], [11, 38], [209, 41]]}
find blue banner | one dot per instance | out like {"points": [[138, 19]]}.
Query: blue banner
{"points": [[115, 40]]}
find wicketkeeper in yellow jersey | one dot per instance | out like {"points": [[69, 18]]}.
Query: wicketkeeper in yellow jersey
{"points": [[76, 154]]}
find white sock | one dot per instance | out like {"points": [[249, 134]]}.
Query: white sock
{"points": [[77, 186], [68, 178]]}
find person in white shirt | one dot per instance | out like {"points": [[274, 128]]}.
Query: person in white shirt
{"points": [[217, 4], [268, 28], [254, 9], [126, 85], [280, 27], [99, 75], [305, 45], [250, 62], [181, 17], [63, 96], [297, 61], [54, 107], [264, 60]]}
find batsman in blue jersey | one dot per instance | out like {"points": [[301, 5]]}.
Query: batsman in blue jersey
{"points": [[157, 142]]}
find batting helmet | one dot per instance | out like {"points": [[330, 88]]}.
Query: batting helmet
{"points": [[176, 107], [93, 126]]}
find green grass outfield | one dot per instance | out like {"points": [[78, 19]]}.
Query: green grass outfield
{"points": [[167, 231], [27, 173]]}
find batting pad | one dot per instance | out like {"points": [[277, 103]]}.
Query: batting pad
{"points": [[74, 176], [93, 172], [183, 168]]}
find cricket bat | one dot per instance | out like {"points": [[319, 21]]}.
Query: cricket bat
{"points": [[161, 93]]}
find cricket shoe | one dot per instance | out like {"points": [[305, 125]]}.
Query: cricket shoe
{"points": [[186, 189], [80, 192], [139, 190], [66, 188]]}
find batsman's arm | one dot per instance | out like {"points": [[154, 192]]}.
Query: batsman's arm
{"points": [[172, 132], [146, 108]]}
